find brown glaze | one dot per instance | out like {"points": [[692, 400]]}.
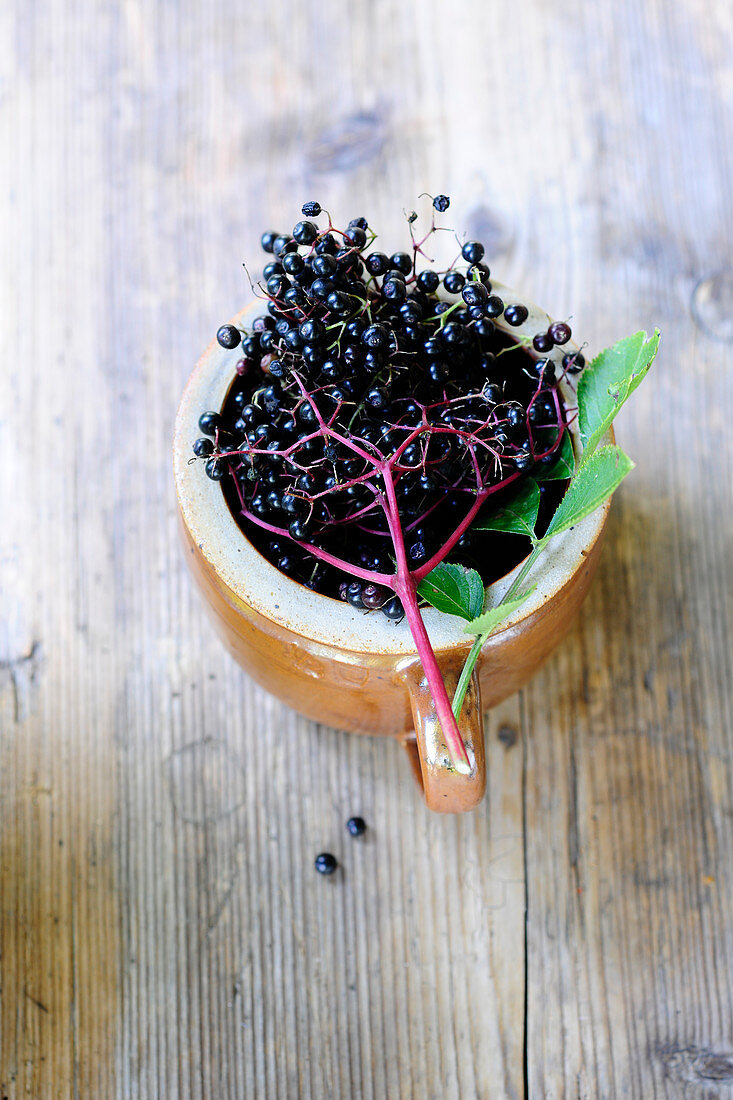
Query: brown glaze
{"points": [[375, 693], [300, 647]]}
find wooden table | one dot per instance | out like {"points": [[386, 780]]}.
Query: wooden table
{"points": [[163, 932]]}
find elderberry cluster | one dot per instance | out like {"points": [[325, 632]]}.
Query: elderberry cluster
{"points": [[374, 392]]}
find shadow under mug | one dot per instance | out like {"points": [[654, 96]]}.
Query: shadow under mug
{"points": [[360, 672]]}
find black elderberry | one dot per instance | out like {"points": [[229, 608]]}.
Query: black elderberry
{"points": [[559, 332], [454, 282], [312, 330], [494, 306], [288, 564], [353, 595], [393, 608], [277, 285], [338, 302], [295, 296], [325, 265], [475, 294], [326, 244], [428, 281], [473, 252], [311, 209], [356, 236], [348, 261], [229, 336], [453, 333], [394, 289], [401, 261], [479, 273], [293, 263], [573, 362], [299, 528], [545, 368], [374, 596], [375, 337], [377, 263], [516, 315], [293, 340], [267, 240], [305, 232], [441, 203], [542, 343], [283, 243], [203, 447], [411, 311], [215, 469], [322, 287], [522, 460], [325, 863], [356, 826], [484, 328], [209, 422], [438, 371], [377, 398]]}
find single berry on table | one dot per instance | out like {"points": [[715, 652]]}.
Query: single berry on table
{"points": [[356, 826], [325, 863]]}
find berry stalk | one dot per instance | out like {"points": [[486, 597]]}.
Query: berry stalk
{"points": [[406, 588]]}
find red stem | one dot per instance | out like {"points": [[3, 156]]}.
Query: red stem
{"points": [[406, 588]]}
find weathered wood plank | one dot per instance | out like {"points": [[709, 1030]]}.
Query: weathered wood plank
{"points": [[161, 930]]}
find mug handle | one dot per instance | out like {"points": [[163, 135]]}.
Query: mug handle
{"points": [[445, 789]]}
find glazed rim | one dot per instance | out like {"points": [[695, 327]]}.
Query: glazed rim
{"points": [[254, 582]]}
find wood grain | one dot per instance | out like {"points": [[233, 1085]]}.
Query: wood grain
{"points": [[162, 932]]}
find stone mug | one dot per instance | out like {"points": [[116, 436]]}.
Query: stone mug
{"points": [[355, 671]]}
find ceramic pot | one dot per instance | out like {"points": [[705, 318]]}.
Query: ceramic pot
{"points": [[355, 671]]}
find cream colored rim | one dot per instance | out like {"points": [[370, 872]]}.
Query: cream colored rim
{"points": [[252, 580]]}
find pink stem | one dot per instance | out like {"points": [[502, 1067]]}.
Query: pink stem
{"points": [[405, 586]]}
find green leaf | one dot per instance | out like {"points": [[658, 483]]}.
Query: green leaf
{"points": [[595, 481], [608, 381], [453, 589], [563, 466], [518, 516], [494, 616]]}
